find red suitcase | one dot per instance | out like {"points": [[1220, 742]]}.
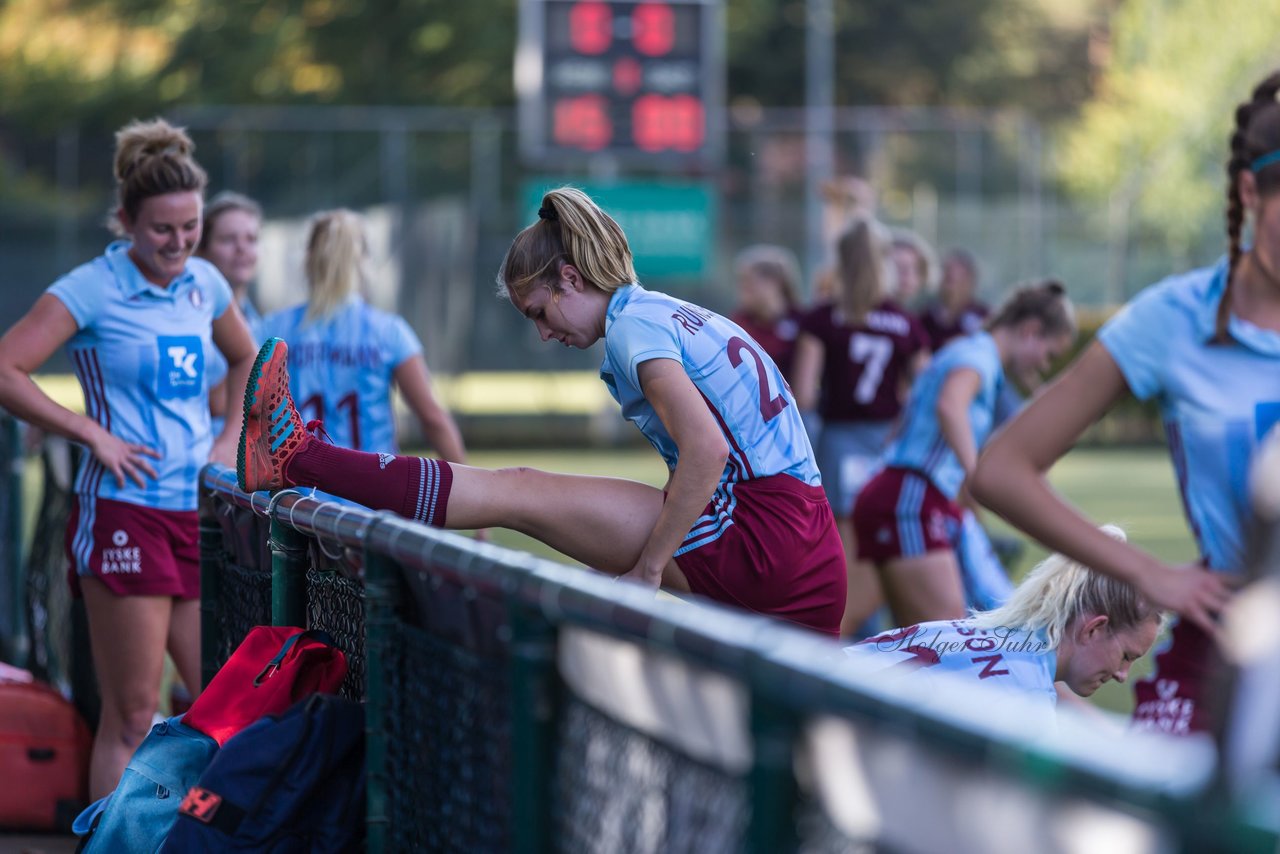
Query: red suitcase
{"points": [[44, 757]]}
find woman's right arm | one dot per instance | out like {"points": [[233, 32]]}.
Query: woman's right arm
{"points": [[1010, 479], [806, 371], [24, 348]]}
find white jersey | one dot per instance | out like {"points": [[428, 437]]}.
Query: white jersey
{"points": [[1004, 658]]}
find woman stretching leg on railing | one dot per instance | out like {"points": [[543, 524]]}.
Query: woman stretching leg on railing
{"points": [[742, 519]]}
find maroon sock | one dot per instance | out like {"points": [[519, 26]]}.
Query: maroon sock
{"points": [[413, 487]]}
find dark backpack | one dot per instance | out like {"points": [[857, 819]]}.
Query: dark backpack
{"points": [[293, 782]]}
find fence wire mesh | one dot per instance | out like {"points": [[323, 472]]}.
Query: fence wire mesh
{"points": [[244, 589], [335, 604], [448, 740], [619, 791]]}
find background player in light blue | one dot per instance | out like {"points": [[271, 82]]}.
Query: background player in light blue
{"points": [[137, 322], [743, 518], [1206, 347], [1064, 623], [229, 241], [345, 355], [908, 516]]}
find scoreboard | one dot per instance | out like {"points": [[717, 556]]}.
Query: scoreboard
{"points": [[640, 83]]}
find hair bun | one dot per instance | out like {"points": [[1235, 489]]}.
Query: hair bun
{"points": [[139, 141], [1056, 288]]}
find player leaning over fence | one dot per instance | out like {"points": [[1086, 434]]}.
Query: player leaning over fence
{"points": [[138, 322], [1206, 346], [1064, 623], [742, 520]]}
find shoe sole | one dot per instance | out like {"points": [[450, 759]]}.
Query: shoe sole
{"points": [[251, 390]]}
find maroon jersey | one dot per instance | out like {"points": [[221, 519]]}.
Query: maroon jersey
{"points": [[941, 331], [863, 365], [778, 338]]}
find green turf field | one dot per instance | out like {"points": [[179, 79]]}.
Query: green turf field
{"points": [[1133, 488]]}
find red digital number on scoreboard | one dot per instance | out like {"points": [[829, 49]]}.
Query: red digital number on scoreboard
{"points": [[677, 122], [582, 122], [591, 27], [653, 29]]}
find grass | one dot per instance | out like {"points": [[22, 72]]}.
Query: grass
{"points": [[1130, 487], [1133, 488]]}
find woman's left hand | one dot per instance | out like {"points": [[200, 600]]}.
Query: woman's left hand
{"points": [[224, 450], [645, 576]]}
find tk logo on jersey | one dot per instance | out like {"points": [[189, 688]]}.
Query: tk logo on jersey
{"points": [[180, 371]]}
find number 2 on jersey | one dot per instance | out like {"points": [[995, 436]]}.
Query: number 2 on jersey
{"points": [[349, 402], [873, 353], [769, 406]]}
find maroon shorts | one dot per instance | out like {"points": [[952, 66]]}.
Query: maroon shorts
{"points": [[1175, 697], [133, 550], [900, 513], [769, 545]]}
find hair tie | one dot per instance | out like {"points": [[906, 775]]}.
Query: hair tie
{"points": [[549, 214], [1264, 161]]}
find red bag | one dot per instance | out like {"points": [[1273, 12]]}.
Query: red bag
{"points": [[274, 667], [44, 754]]}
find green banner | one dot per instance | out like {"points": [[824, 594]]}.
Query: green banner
{"points": [[671, 226]]}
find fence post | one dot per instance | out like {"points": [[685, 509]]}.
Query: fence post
{"points": [[534, 714], [288, 574], [772, 782], [381, 593], [210, 586], [17, 643]]}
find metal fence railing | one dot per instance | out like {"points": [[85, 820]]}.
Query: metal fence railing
{"points": [[517, 704]]}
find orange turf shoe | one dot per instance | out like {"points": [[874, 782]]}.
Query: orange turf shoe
{"points": [[272, 429]]}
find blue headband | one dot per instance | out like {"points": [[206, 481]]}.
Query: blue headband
{"points": [[1264, 161]]}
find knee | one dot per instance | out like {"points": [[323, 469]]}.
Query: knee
{"points": [[128, 722]]}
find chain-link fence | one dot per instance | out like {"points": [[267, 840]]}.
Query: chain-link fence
{"points": [[515, 704], [445, 192]]}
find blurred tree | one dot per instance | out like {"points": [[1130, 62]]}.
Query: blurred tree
{"points": [[1154, 139], [1033, 54]]}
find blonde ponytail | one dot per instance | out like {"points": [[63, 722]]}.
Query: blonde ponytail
{"points": [[336, 263], [571, 229], [1059, 590]]}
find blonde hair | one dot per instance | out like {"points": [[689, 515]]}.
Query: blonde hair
{"points": [[1059, 589], [225, 202], [337, 260], [926, 258], [773, 262], [571, 229], [152, 158], [862, 268]]}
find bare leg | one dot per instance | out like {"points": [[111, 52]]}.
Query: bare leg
{"points": [[865, 595], [127, 635], [184, 642], [924, 588], [603, 522]]}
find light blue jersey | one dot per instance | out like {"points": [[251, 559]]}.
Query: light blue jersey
{"points": [[341, 366], [743, 388], [140, 353], [216, 364], [1217, 400], [919, 443], [1003, 658]]}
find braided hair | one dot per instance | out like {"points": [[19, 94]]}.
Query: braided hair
{"points": [[1256, 135]]}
